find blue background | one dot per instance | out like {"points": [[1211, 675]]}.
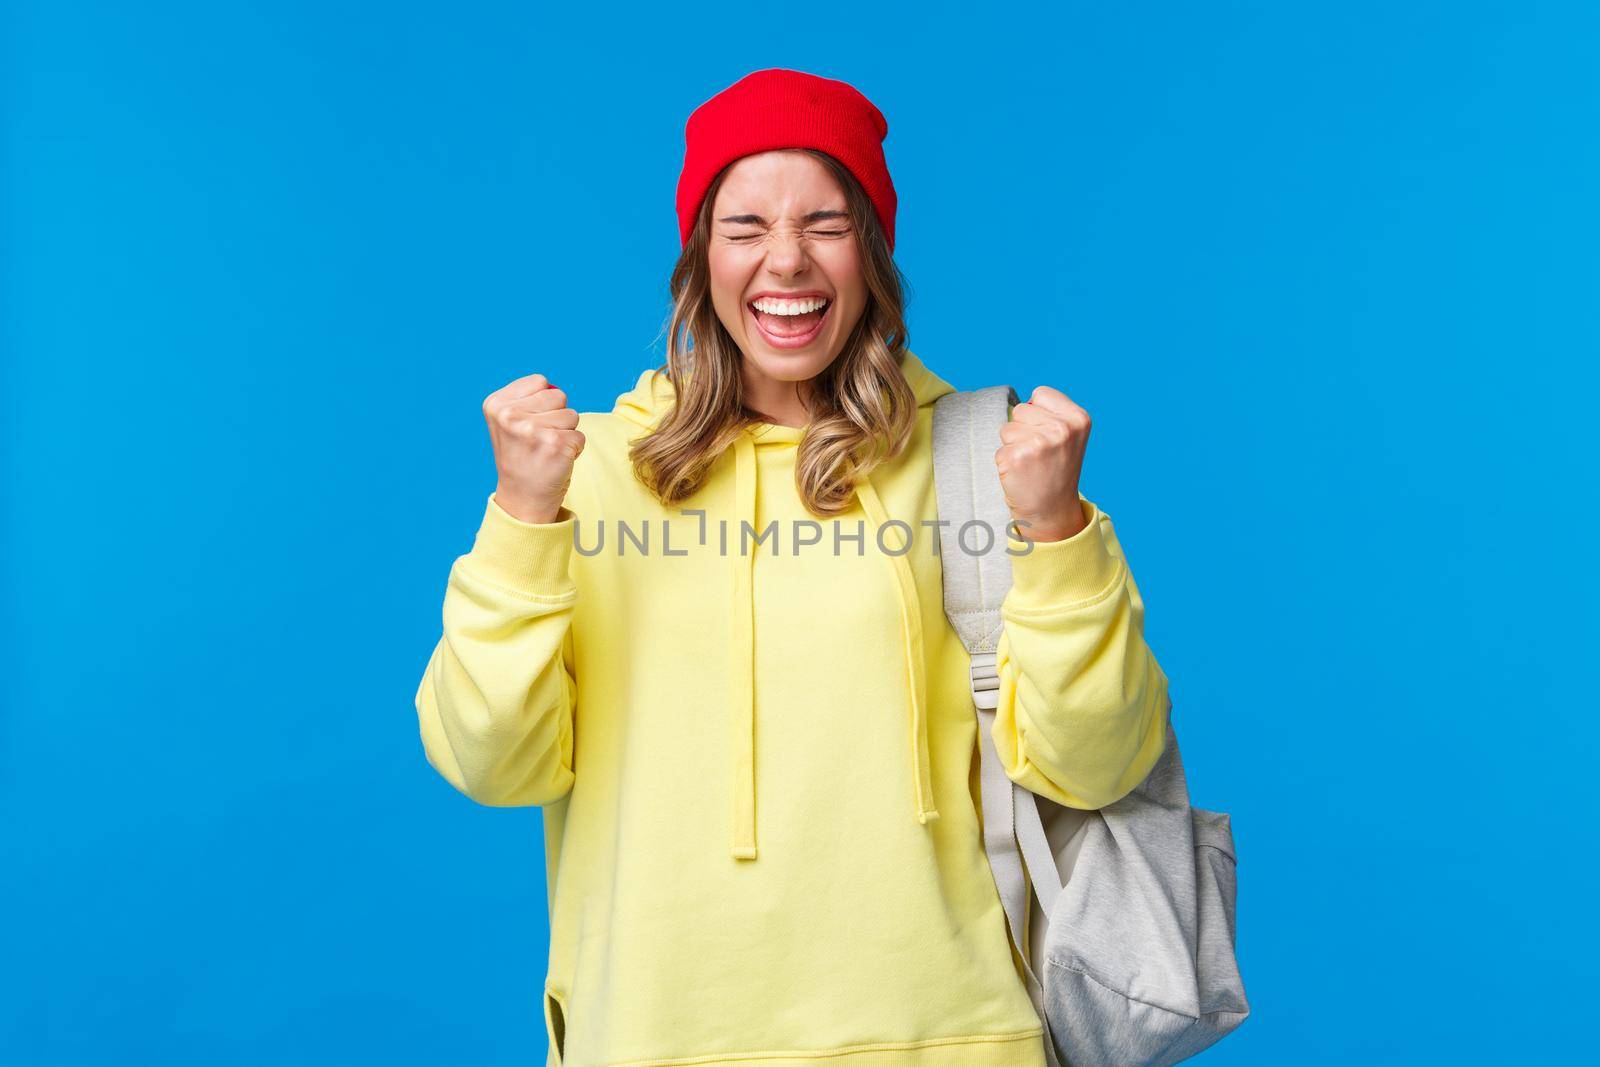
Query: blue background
{"points": [[1325, 275]]}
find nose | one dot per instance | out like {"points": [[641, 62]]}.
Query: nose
{"points": [[786, 253]]}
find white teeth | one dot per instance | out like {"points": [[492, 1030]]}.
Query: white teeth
{"points": [[788, 307]]}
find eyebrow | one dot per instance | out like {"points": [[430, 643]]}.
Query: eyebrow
{"points": [[815, 216]]}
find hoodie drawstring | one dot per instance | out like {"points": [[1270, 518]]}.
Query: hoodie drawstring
{"points": [[911, 644], [742, 637], [743, 658]]}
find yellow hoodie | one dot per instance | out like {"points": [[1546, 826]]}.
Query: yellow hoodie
{"points": [[755, 748]]}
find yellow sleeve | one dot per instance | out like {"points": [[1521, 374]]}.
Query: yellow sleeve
{"points": [[496, 702], [1083, 703]]}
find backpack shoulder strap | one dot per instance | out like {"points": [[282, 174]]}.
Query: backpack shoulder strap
{"points": [[973, 519], [977, 570]]}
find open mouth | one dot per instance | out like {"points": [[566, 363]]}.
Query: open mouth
{"points": [[789, 323]]}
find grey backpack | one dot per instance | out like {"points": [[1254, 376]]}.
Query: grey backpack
{"points": [[1127, 936]]}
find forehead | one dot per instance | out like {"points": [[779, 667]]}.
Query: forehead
{"points": [[778, 180]]}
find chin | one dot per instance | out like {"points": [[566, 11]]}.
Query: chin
{"points": [[796, 366]]}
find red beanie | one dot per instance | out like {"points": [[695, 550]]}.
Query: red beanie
{"points": [[778, 108]]}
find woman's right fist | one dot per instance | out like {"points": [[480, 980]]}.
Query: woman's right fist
{"points": [[536, 441]]}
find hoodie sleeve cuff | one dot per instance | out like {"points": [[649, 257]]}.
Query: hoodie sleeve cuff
{"points": [[530, 557], [1058, 574]]}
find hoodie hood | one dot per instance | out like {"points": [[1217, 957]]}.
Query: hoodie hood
{"points": [[644, 405], [652, 395]]}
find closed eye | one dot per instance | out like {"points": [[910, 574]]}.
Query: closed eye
{"points": [[817, 233]]}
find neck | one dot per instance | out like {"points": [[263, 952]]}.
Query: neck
{"points": [[778, 402]]}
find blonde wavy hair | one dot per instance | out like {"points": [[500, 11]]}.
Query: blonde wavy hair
{"points": [[862, 409]]}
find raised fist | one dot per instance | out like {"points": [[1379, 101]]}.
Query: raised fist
{"points": [[1040, 462], [536, 442]]}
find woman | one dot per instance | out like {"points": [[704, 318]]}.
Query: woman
{"points": [[751, 731]]}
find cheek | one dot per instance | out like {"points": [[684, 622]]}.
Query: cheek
{"points": [[727, 303], [728, 282], [843, 267]]}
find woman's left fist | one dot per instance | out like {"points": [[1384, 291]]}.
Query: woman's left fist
{"points": [[1040, 461]]}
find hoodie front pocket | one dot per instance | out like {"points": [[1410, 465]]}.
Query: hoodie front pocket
{"points": [[555, 1021]]}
